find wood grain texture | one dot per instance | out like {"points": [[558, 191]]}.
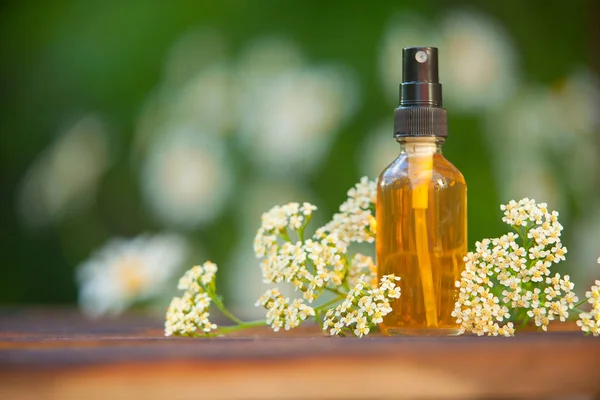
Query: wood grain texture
{"points": [[59, 355]]}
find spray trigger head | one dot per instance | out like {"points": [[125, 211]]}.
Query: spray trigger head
{"points": [[420, 78]]}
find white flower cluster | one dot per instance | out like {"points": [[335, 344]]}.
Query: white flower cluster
{"points": [[590, 321], [501, 275], [199, 274], [355, 221], [308, 265], [281, 313], [189, 313], [313, 264], [363, 308], [293, 263], [276, 222]]}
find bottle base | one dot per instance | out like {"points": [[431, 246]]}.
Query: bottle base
{"points": [[398, 331]]}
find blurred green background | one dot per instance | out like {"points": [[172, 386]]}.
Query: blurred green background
{"points": [[187, 120]]}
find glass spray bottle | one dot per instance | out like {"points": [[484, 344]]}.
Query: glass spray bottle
{"points": [[421, 207]]}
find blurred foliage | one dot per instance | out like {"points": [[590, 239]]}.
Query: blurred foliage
{"points": [[62, 59]]}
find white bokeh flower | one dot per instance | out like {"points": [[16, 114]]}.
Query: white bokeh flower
{"points": [[126, 271], [542, 141], [206, 101], [186, 178], [289, 111], [478, 62], [519, 133], [64, 177], [195, 91], [573, 124]]}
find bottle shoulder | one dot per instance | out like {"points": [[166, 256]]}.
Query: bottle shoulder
{"points": [[444, 168], [397, 171]]}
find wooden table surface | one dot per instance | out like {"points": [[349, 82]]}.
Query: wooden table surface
{"points": [[56, 354]]}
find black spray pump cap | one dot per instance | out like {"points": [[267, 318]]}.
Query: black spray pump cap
{"points": [[420, 79], [420, 112]]}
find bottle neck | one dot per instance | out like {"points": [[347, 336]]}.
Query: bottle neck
{"points": [[421, 144]]}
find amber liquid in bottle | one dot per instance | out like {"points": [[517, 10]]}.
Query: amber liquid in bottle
{"points": [[422, 237]]}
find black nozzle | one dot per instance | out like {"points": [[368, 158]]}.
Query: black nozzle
{"points": [[420, 112], [420, 64], [420, 79]]}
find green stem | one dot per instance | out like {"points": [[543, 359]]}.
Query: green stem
{"points": [[335, 291], [329, 303], [285, 235], [522, 232], [301, 230], [301, 234], [240, 326], [346, 272], [226, 312], [310, 266], [318, 319], [582, 302]]}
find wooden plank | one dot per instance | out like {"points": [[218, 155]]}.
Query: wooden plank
{"points": [[68, 358]]}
